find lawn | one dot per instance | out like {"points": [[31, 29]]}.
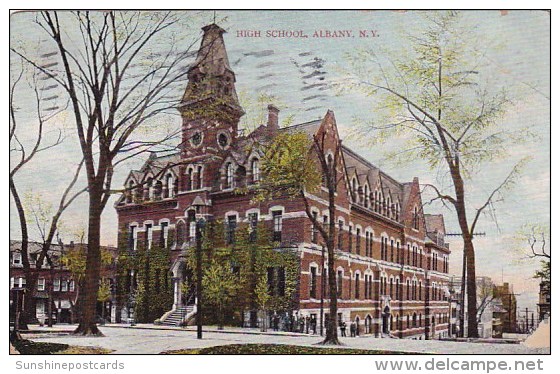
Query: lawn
{"points": [[275, 349], [28, 347]]}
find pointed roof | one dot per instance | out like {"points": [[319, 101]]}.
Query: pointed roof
{"points": [[212, 57], [211, 76]]}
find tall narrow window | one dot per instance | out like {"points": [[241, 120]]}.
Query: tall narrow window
{"points": [[180, 233], [313, 283], [132, 238], [169, 186], [253, 222], [229, 175], [41, 284], [415, 220], [163, 234], [191, 221], [231, 226], [277, 225], [350, 238], [358, 240], [392, 251], [199, 177], [130, 192], [189, 180], [149, 233], [339, 284], [314, 228], [255, 169], [357, 286], [56, 284], [340, 231]]}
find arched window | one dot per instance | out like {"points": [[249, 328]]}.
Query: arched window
{"points": [[168, 190], [229, 175], [191, 219], [158, 188], [189, 185], [199, 177], [180, 231], [150, 189], [255, 170]]}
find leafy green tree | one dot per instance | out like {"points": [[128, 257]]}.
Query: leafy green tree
{"points": [[263, 299], [220, 287], [433, 95], [293, 166]]}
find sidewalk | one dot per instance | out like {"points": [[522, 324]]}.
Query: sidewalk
{"points": [[66, 328], [541, 337]]}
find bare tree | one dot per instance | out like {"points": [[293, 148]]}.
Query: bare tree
{"points": [[485, 297], [24, 153], [434, 97], [119, 70]]}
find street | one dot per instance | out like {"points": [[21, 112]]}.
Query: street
{"points": [[150, 339]]}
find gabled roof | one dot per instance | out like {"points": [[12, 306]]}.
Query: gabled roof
{"points": [[435, 223]]}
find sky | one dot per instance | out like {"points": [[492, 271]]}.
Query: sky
{"points": [[300, 73]]}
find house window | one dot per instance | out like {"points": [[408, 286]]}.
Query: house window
{"points": [[63, 285], [231, 226], [129, 192], [277, 225], [313, 283], [255, 169], [392, 250], [199, 177], [253, 222], [314, 228], [340, 231], [16, 259], [41, 284], [398, 252], [56, 284], [72, 286], [189, 180], [391, 287], [358, 240], [191, 220], [168, 186], [357, 286], [180, 232], [350, 238], [132, 237], [339, 284], [397, 289], [229, 175], [149, 233], [164, 234]]}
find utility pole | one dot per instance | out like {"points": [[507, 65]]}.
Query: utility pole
{"points": [[322, 286]]}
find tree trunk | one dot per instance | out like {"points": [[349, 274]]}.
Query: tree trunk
{"points": [[469, 254], [87, 325], [331, 337], [27, 311]]}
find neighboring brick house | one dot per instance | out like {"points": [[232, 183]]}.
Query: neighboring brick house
{"points": [[392, 262], [55, 283]]}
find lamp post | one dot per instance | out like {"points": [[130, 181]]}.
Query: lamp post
{"points": [[198, 203]]}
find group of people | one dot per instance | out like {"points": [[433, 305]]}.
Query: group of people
{"points": [[307, 324], [353, 329], [295, 323]]}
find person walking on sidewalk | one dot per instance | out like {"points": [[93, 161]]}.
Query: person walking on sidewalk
{"points": [[342, 329], [353, 329]]}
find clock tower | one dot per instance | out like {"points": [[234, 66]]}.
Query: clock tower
{"points": [[210, 108]]}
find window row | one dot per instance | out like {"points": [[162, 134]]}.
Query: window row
{"points": [[58, 284]]}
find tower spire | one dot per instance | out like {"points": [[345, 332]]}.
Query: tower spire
{"points": [[211, 78]]}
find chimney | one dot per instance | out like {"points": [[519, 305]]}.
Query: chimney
{"points": [[272, 123]]}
